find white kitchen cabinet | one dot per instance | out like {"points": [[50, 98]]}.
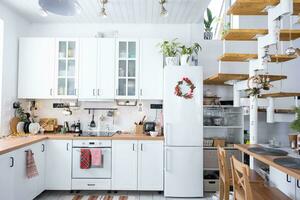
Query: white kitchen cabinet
{"points": [[283, 182], [151, 70], [58, 164], [36, 68], [40, 159], [97, 64], [124, 165], [66, 68], [150, 165], [127, 70], [137, 165], [7, 176], [297, 189]]}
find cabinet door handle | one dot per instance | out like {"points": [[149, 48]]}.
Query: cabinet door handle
{"points": [[167, 158], [51, 92], [142, 147], [94, 94], [43, 148], [67, 146], [133, 147], [287, 179], [12, 162], [141, 92], [90, 184], [98, 92]]}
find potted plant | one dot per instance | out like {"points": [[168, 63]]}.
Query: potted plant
{"points": [[295, 125], [170, 51], [207, 25], [186, 52]]}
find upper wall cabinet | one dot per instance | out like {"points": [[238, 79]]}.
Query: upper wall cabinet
{"points": [[66, 68], [151, 70], [127, 69], [36, 68], [97, 69]]}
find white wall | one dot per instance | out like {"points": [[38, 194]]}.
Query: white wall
{"points": [[14, 26]]}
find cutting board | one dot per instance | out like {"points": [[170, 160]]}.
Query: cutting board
{"points": [[13, 125], [48, 124]]}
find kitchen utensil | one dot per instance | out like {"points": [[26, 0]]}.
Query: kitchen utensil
{"points": [[20, 127], [293, 140], [153, 133], [139, 129], [13, 125], [34, 128], [93, 123], [218, 121]]}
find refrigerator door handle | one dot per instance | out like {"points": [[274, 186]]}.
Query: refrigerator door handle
{"points": [[168, 125], [167, 160]]}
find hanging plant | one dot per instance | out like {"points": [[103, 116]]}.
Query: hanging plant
{"points": [[183, 85], [260, 82]]}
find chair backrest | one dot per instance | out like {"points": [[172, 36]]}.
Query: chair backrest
{"points": [[240, 178], [224, 171]]}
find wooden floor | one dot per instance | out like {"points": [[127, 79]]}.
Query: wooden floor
{"points": [[64, 195]]}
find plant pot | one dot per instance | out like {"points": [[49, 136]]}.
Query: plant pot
{"points": [[171, 61], [184, 60], [208, 35]]}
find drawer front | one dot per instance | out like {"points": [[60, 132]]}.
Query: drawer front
{"points": [[91, 184], [211, 185]]}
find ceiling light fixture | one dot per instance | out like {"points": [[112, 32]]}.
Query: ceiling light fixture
{"points": [[163, 10], [61, 7], [103, 13]]}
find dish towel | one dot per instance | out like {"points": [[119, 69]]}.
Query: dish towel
{"points": [[96, 157], [85, 159], [31, 170]]}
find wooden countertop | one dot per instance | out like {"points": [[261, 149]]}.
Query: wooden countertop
{"points": [[268, 160], [15, 142]]}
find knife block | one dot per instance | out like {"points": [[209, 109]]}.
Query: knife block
{"points": [[139, 129]]}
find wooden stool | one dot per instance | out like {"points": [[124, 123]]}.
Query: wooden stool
{"points": [[242, 188], [225, 180]]}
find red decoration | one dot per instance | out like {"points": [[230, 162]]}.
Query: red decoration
{"points": [[189, 83]]}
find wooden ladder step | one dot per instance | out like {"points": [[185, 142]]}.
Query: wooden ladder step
{"points": [[257, 7], [239, 57], [281, 94], [223, 79], [252, 34]]}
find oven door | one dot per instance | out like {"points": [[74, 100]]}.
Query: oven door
{"points": [[104, 172]]}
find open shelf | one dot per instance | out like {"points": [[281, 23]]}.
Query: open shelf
{"points": [[239, 57], [251, 34], [281, 94], [257, 7], [221, 78], [279, 111]]}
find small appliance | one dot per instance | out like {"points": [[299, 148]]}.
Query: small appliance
{"points": [[149, 126]]}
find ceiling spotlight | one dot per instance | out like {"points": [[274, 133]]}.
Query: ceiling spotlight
{"points": [[103, 13], [43, 12], [163, 10], [59, 7]]}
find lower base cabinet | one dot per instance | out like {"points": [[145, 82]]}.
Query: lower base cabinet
{"points": [[91, 184], [58, 165], [7, 172], [137, 165]]}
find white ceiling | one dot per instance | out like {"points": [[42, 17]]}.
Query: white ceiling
{"points": [[119, 11]]}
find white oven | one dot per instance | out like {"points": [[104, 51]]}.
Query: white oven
{"points": [[103, 172]]}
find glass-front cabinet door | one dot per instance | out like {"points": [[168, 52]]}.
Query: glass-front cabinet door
{"points": [[127, 69], [66, 78]]}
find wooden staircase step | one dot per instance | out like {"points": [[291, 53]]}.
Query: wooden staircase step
{"points": [[257, 7], [251, 34], [222, 78], [281, 94], [238, 57]]}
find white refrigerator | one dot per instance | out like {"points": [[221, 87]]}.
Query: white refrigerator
{"points": [[183, 127]]}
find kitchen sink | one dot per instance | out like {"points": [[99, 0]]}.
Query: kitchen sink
{"points": [[288, 162], [267, 151]]}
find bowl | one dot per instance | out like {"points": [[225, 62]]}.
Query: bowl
{"points": [[153, 133]]}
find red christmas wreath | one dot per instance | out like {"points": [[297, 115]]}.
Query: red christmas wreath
{"points": [[188, 83]]}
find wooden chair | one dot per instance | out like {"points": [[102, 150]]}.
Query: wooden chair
{"points": [[225, 180], [242, 188]]}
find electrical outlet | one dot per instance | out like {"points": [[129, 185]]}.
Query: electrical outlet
{"points": [[156, 106]]}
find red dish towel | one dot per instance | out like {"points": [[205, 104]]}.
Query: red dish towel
{"points": [[31, 170], [85, 159], [96, 157]]}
